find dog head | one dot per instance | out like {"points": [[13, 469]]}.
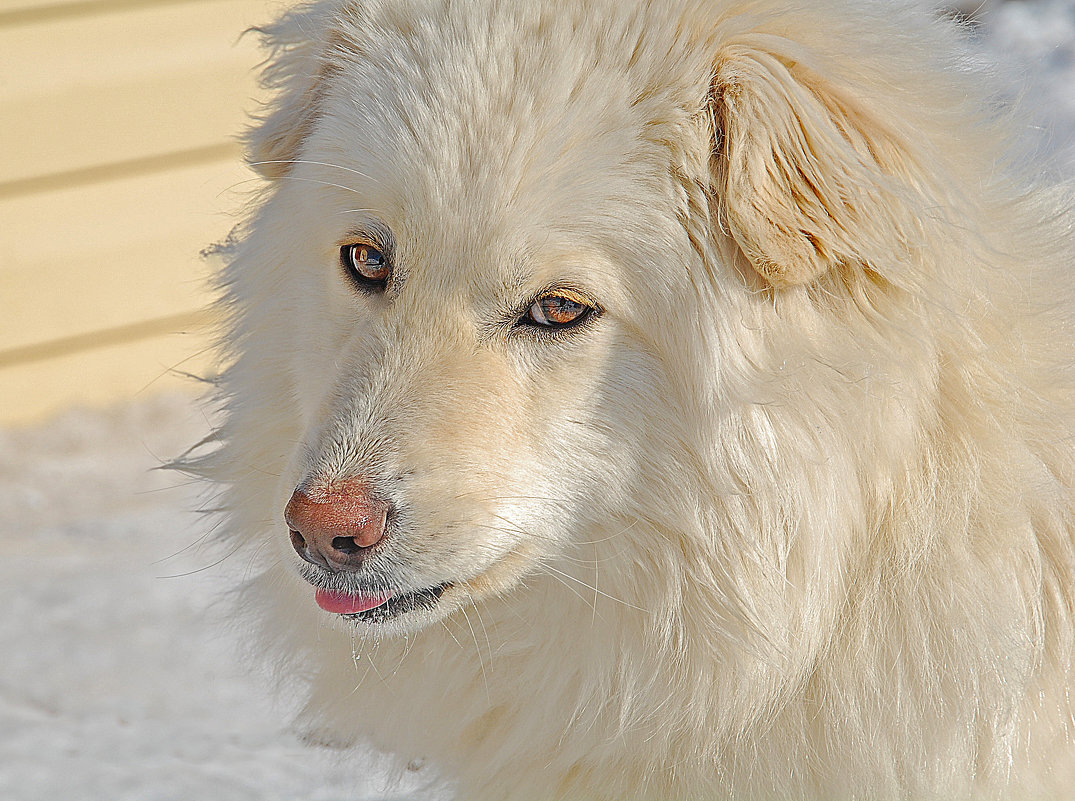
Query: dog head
{"points": [[538, 278]]}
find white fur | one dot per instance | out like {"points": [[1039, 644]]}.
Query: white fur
{"points": [[793, 519]]}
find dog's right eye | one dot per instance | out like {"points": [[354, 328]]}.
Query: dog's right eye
{"points": [[367, 266]]}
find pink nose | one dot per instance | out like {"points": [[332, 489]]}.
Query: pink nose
{"points": [[335, 527]]}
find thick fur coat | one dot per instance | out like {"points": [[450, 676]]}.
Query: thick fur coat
{"points": [[790, 514]]}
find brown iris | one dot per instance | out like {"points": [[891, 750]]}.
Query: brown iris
{"points": [[559, 310], [368, 267]]}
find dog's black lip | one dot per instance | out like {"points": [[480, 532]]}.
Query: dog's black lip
{"points": [[401, 604]]}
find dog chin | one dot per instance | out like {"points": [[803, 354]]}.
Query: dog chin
{"points": [[390, 605], [391, 612]]}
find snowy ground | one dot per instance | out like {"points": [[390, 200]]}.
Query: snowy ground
{"points": [[115, 681], [116, 684], [1033, 41]]}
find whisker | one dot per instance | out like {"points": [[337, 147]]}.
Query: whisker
{"points": [[478, 650], [407, 647], [481, 621], [261, 546], [496, 498], [372, 666], [444, 623], [515, 529], [503, 530], [402, 656], [358, 647], [320, 183], [317, 164], [591, 587], [460, 496], [219, 561], [195, 544], [596, 581], [554, 575]]}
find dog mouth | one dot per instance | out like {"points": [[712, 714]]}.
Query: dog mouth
{"points": [[378, 607]]}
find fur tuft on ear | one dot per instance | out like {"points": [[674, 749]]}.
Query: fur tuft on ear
{"points": [[295, 72], [806, 177]]}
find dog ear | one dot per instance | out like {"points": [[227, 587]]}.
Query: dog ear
{"points": [[295, 72], [275, 142], [805, 175]]}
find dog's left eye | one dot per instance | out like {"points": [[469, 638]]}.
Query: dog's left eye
{"points": [[558, 311], [367, 266]]}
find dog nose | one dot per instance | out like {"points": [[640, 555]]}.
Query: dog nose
{"points": [[337, 526]]}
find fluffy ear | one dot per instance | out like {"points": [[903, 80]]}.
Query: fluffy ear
{"points": [[296, 72], [276, 141], [806, 176]]}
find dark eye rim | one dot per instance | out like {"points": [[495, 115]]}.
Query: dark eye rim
{"points": [[591, 311], [363, 282]]}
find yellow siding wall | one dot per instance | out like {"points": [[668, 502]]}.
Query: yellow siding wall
{"points": [[118, 164]]}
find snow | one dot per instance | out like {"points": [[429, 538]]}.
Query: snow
{"points": [[116, 680], [1035, 41]]}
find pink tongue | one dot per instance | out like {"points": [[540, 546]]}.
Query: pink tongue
{"points": [[343, 604]]}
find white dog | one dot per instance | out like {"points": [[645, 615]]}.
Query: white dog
{"points": [[656, 399]]}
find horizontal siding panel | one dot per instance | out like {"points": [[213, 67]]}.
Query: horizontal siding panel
{"points": [[10, 7], [121, 123], [124, 86], [99, 50], [111, 254], [35, 390], [18, 10], [21, 12], [118, 122]]}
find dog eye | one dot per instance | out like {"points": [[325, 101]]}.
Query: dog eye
{"points": [[558, 311], [366, 265]]}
